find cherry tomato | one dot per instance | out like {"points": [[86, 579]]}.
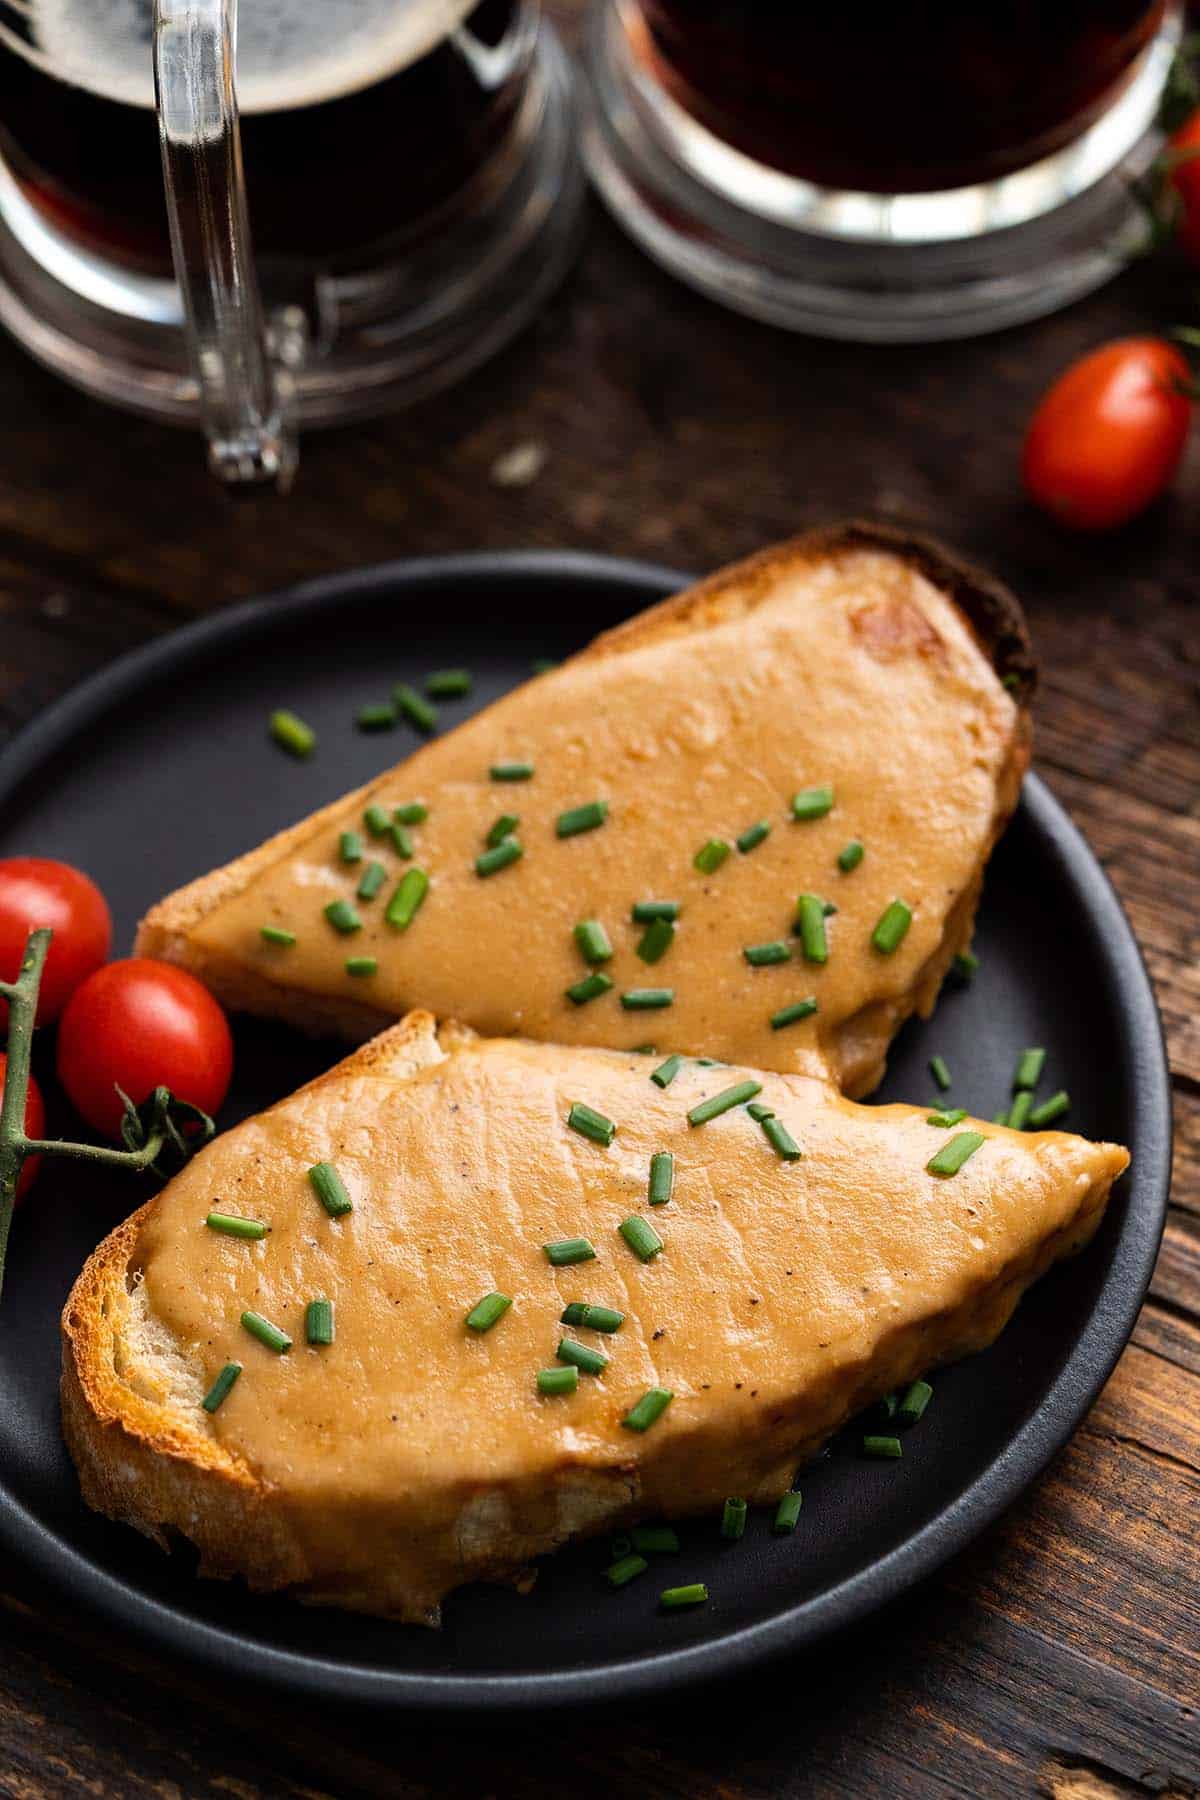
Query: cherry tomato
{"points": [[138, 1025], [35, 891], [1107, 437], [1184, 153], [35, 1127]]}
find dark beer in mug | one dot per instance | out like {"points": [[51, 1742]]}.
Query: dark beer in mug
{"points": [[363, 121], [912, 97]]}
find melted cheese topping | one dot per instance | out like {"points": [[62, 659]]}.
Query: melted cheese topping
{"points": [[785, 1294], [854, 672]]}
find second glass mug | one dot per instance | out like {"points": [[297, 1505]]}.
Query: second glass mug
{"points": [[409, 169]]}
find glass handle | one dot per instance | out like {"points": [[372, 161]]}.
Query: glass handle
{"points": [[242, 366]]}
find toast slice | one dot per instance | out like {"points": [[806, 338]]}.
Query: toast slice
{"points": [[853, 659], [413, 1454]]}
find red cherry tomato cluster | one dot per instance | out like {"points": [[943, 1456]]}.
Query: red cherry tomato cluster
{"points": [[133, 1025]]}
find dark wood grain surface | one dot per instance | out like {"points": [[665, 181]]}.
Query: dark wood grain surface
{"points": [[1059, 1656]]}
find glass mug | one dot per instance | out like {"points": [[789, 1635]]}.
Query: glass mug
{"points": [[340, 205], [880, 171]]}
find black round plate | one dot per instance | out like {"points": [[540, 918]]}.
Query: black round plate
{"points": [[160, 768]]}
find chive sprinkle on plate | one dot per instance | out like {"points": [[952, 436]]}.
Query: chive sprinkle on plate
{"points": [[221, 1386], [647, 999], [401, 841], [511, 771], [951, 1157], [911, 1409], [413, 812], [644, 912], [695, 1593], [371, 880], [376, 819], [761, 956], [893, 925], [1050, 1109], [487, 1312], [953, 1115], [590, 987], [558, 1381], [405, 903], [724, 1102], [591, 1318], [361, 967], [812, 803], [342, 917], [940, 1070], [416, 709], [850, 856], [787, 1514], [1022, 1106], [662, 1178], [649, 1409], [266, 1333], [379, 716], [624, 1569], [350, 847], [448, 684], [710, 856], [275, 934], [791, 1015], [593, 941], [591, 1124], [578, 819], [781, 1139], [1028, 1071], [664, 1075], [810, 928], [753, 836], [733, 1519], [318, 1322], [500, 856], [504, 827], [330, 1189], [232, 1226], [641, 1237], [581, 1357], [882, 1446], [656, 940], [565, 1252], [292, 734]]}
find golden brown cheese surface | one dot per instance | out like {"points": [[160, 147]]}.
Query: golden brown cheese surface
{"points": [[855, 673], [778, 1287]]}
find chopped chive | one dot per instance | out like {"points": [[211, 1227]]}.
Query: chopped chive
{"points": [[592, 1318], [275, 934], [965, 965], [376, 820], [1011, 681], [504, 827], [656, 1540], [1028, 1071], [812, 803], [649, 1409], [371, 880], [487, 1312], [405, 903], [645, 912], [724, 1102], [828, 908], [761, 956], [581, 818], [511, 771], [791, 1015], [810, 926], [591, 1124], [590, 1362], [413, 812], [624, 1569], [662, 1178], [664, 1075], [379, 717], [557, 1381], [641, 1237], [589, 988], [361, 966], [221, 1386], [753, 836], [758, 1112], [1022, 1106], [953, 1115], [292, 734], [916, 1399], [330, 1189], [401, 841], [951, 1157], [448, 684], [889, 933], [1000, 1118], [342, 917], [694, 1594], [266, 1333], [644, 1050], [415, 707], [1050, 1109], [647, 999], [881, 1445], [850, 855], [350, 847], [787, 1514], [593, 942], [781, 1140], [565, 1251], [507, 851], [887, 1405], [236, 1227], [318, 1322], [542, 665], [940, 1071], [733, 1519], [710, 856], [656, 940]]}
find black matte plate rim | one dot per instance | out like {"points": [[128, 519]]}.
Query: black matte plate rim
{"points": [[174, 1632]]}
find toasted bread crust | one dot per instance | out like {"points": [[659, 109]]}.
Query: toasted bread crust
{"points": [[991, 610]]}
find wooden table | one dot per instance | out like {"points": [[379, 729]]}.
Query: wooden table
{"points": [[1058, 1656]]}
